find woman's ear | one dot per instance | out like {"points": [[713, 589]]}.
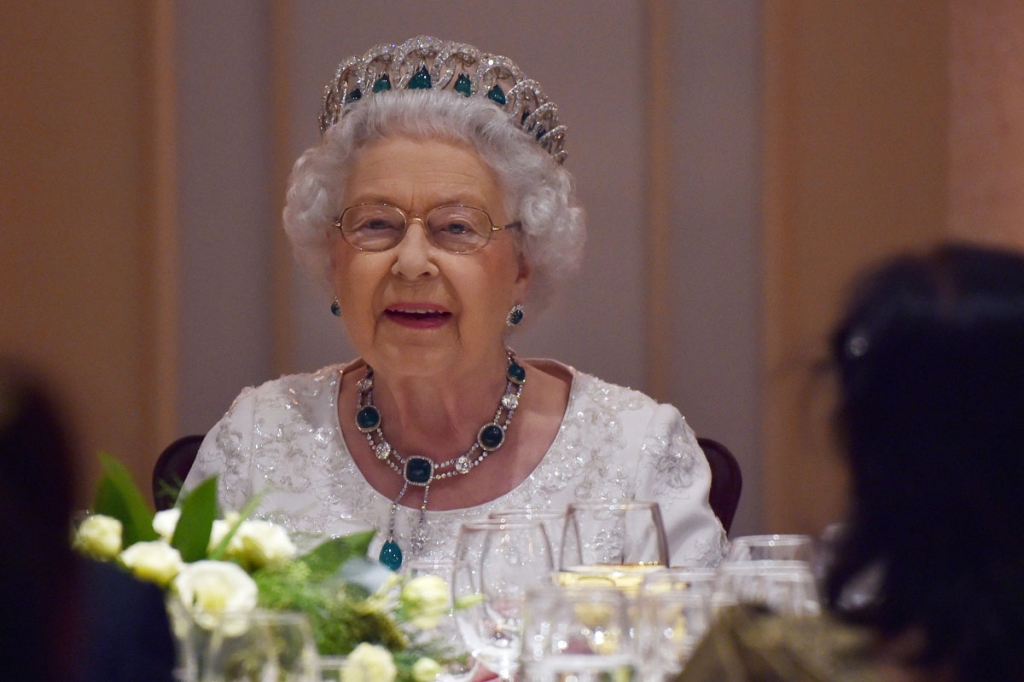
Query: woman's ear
{"points": [[523, 275], [332, 251]]}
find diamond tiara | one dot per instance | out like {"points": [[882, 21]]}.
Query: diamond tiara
{"points": [[430, 63]]}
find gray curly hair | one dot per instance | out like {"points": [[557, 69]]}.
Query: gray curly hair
{"points": [[538, 192]]}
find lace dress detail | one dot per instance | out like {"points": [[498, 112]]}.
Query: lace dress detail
{"points": [[283, 442]]}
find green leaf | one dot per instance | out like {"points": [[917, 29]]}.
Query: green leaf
{"points": [[118, 496], [198, 511], [331, 554]]}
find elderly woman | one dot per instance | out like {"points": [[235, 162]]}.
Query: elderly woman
{"points": [[438, 214]]}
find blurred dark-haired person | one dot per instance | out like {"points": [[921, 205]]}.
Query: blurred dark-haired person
{"points": [[930, 362], [62, 618]]}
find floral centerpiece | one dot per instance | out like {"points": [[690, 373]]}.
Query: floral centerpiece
{"points": [[212, 564]]}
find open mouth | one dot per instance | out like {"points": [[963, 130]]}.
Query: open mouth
{"points": [[418, 317]]}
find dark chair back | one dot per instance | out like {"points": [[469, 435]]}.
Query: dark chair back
{"points": [[171, 468], [176, 460], [726, 480]]}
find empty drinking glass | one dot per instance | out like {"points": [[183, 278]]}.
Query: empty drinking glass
{"points": [[459, 666], [553, 520], [785, 587], [495, 564], [577, 633], [772, 548], [669, 624]]}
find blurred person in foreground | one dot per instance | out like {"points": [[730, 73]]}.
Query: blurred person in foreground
{"points": [[438, 216], [930, 361], [62, 618]]}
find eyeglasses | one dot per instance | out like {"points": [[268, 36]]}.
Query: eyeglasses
{"points": [[456, 229]]}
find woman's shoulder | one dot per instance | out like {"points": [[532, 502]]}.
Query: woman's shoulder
{"points": [[596, 392], [290, 388]]}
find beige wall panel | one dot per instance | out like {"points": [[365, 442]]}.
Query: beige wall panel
{"points": [[856, 130], [986, 187], [74, 285]]}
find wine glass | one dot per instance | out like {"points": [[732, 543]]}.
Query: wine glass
{"points": [[771, 548], [460, 666], [331, 668], [553, 520], [612, 543], [577, 633], [784, 587], [270, 646], [669, 624], [679, 579], [496, 562]]}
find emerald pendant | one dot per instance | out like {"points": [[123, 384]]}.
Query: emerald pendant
{"points": [[367, 419], [391, 555], [516, 373]]}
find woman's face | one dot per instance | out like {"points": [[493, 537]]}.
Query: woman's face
{"points": [[416, 309]]}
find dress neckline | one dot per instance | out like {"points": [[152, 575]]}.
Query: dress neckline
{"points": [[338, 373]]}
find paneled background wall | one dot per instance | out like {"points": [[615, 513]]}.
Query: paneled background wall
{"points": [[738, 161]]}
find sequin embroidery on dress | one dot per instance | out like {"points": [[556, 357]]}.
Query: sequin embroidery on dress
{"points": [[283, 441]]}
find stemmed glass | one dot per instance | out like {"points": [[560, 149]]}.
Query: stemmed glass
{"points": [[553, 520], [784, 587], [612, 543], [496, 562], [270, 646], [772, 548], [577, 633], [461, 665]]}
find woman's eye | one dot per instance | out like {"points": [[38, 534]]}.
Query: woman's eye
{"points": [[378, 225], [456, 228]]}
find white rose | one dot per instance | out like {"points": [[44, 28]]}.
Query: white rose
{"points": [[425, 670], [209, 589], [99, 537], [369, 663], [264, 543], [156, 561], [426, 600], [164, 522], [219, 532]]}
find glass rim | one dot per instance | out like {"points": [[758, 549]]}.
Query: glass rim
{"points": [[680, 573], [527, 513], [765, 566], [780, 539], [489, 523], [613, 506], [554, 590]]}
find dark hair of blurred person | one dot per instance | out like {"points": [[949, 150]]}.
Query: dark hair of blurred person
{"points": [[62, 618], [931, 365], [927, 578], [38, 573]]}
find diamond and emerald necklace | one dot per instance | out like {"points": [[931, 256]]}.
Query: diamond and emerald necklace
{"points": [[421, 471]]}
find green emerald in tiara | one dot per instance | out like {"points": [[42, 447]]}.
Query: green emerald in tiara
{"points": [[496, 94], [420, 80], [383, 83], [424, 63]]}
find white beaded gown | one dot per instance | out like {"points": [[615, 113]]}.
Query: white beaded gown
{"points": [[282, 440]]}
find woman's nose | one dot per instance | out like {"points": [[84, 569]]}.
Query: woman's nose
{"points": [[413, 257]]}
